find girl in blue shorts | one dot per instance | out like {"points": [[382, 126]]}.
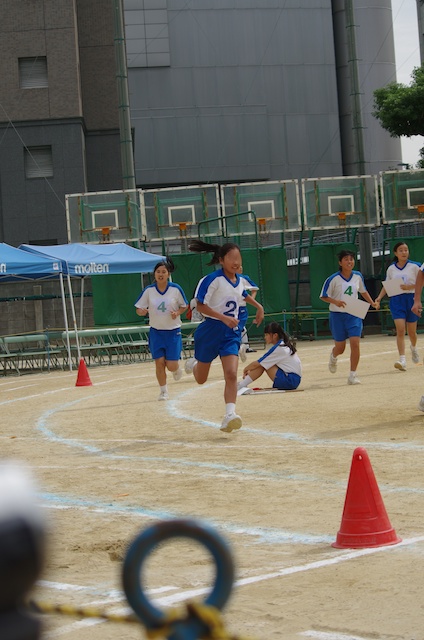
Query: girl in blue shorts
{"points": [[218, 297], [343, 325], [281, 361], [401, 305], [164, 301]]}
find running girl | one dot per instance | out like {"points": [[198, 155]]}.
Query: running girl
{"points": [[401, 305], [164, 301], [281, 362], [344, 325], [218, 296]]}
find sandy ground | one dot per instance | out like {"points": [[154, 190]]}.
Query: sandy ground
{"points": [[110, 460]]}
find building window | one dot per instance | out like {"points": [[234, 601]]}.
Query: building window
{"points": [[38, 162], [147, 33], [33, 73]]}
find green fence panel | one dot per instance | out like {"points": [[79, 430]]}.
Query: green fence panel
{"points": [[415, 246], [189, 268], [322, 263], [114, 297]]}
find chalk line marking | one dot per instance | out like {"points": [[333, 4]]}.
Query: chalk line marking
{"points": [[310, 566], [323, 635], [173, 599]]}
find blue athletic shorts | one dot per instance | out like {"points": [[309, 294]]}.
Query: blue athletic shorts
{"points": [[344, 326], [213, 338], [400, 307], [165, 343], [285, 380], [243, 315]]}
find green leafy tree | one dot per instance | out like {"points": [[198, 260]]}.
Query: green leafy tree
{"points": [[400, 109]]}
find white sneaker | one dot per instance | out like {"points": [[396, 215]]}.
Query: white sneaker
{"points": [[332, 365], [163, 395], [178, 374], [189, 365], [231, 422], [421, 404], [400, 365], [415, 355], [242, 352], [353, 380]]}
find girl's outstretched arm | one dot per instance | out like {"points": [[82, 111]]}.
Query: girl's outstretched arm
{"points": [[259, 309]]}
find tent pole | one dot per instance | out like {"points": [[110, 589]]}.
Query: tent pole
{"points": [[71, 297], [82, 304], [68, 345]]}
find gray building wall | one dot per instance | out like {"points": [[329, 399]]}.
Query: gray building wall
{"points": [[76, 114], [253, 89]]}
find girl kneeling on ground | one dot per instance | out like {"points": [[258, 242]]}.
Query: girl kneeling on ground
{"points": [[281, 362]]}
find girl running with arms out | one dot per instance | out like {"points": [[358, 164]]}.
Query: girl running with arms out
{"points": [[164, 301], [218, 298], [281, 362]]}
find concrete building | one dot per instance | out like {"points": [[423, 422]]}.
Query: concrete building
{"points": [[59, 129], [220, 91], [240, 90]]}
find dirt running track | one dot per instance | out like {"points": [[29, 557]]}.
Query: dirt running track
{"points": [[110, 460]]}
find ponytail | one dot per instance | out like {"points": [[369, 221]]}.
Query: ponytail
{"points": [[218, 251], [274, 327]]}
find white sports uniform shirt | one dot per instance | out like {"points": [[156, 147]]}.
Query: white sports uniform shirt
{"points": [[249, 286], [281, 355], [336, 286], [408, 273], [219, 293], [160, 305]]}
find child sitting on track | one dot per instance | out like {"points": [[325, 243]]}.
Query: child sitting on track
{"points": [[281, 362]]}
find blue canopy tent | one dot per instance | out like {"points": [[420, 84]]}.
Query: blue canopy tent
{"points": [[80, 260], [18, 266]]}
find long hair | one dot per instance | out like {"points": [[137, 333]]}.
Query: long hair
{"points": [[218, 251], [274, 327], [167, 263]]}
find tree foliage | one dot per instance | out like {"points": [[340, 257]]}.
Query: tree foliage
{"points": [[399, 108]]}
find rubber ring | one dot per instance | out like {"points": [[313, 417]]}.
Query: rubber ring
{"points": [[145, 543]]}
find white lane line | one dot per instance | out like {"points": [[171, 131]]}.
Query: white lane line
{"points": [[319, 564], [323, 635], [194, 593], [112, 593]]}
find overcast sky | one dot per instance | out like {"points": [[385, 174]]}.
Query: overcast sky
{"points": [[405, 26]]}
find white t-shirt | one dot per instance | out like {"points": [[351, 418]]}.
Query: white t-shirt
{"points": [[160, 304], [249, 286], [219, 293], [408, 273], [280, 355], [336, 286]]}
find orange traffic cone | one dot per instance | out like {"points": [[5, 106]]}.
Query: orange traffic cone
{"points": [[365, 522], [83, 379]]}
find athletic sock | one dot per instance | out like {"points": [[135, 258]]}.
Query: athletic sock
{"points": [[245, 382]]}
